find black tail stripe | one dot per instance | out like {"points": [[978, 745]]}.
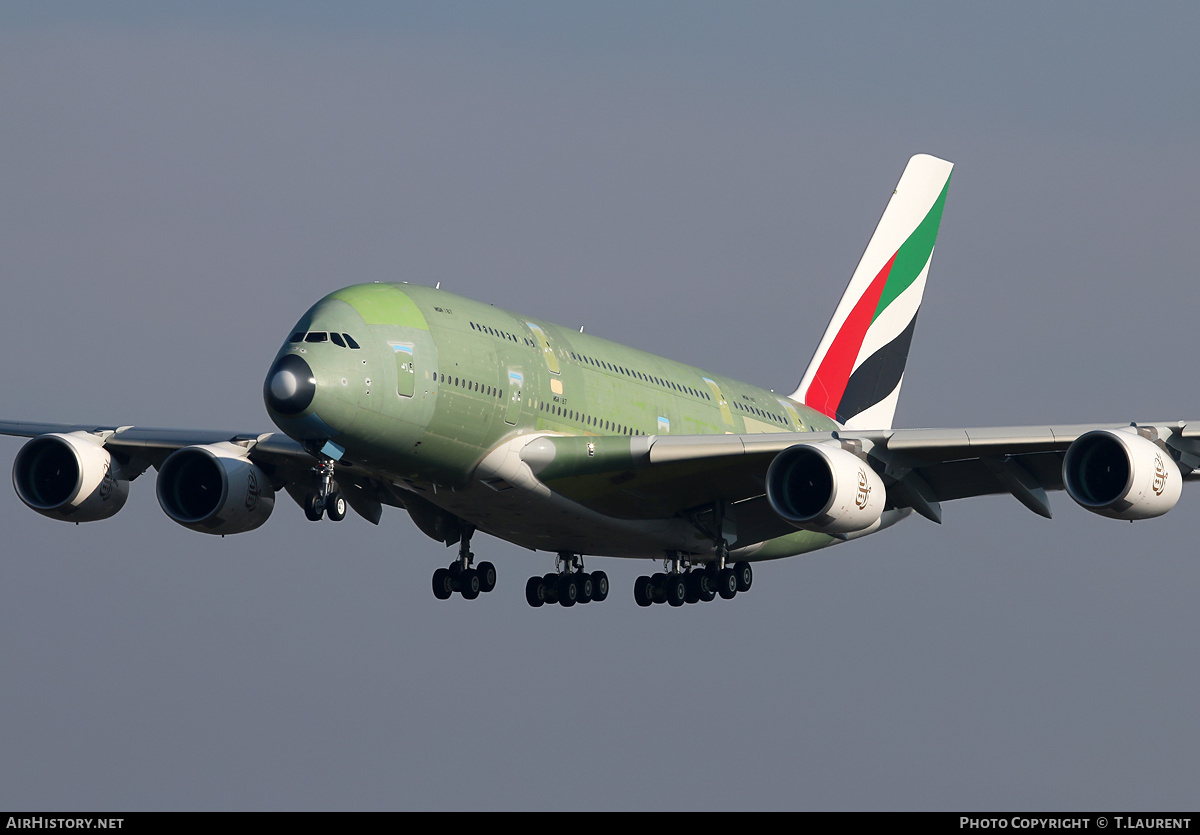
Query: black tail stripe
{"points": [[877, 377]]}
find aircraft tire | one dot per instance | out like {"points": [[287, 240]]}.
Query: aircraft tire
{"points": [[468, 583], [705, 585], [313, 509], [443, 584], [568, 590], [727, 584], [745, 575], [335, 507], [599, 586], [535, 592], [675, 589], [660, 587], [584, 582], [487, 577], [643, 591]]}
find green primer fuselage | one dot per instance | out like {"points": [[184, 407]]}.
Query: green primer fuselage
{"points": [[440, 381]]}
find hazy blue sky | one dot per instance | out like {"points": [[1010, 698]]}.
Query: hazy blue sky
{"points": [[179, 182]]}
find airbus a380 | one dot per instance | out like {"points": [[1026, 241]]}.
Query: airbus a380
{"points": [[477, 419]]}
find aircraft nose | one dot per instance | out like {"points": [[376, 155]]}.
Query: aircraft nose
{"points": [[289, 386]]}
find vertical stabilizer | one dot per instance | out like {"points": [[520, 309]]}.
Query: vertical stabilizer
{"points": [[855, 375]]}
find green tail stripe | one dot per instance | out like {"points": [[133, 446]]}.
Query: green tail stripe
{"points": [[913, 254]]}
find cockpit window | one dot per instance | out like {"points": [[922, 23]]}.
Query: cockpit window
{"points": [[342, 340]]}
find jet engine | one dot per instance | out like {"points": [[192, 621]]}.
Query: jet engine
{"points": [[215, 489], [824, 488], [70, 477], [1121, 475]]}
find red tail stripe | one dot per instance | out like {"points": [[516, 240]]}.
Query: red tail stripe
{"points": [[829, 384]]}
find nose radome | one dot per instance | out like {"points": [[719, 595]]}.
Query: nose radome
{"points": [[289, 386]]}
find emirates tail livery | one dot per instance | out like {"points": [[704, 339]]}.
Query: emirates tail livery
{"points": [[477, 419]]}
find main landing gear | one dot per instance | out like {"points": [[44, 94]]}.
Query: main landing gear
{"points": [[462, 577], [684, 583], [569, 585], [327, 499]]}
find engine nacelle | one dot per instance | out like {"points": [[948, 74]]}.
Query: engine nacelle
{"points": [[70, 477], [214, 489], [1121, 475], [824, 488]]}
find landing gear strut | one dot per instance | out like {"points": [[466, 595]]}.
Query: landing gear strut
{"points": [[683, 582], [327, 499], [569, 585], [461, 576]]}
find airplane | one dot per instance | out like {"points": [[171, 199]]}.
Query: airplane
{"points": [[478, 419]]}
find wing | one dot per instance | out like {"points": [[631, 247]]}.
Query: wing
{"points": [[758, 475], [106, 457]]}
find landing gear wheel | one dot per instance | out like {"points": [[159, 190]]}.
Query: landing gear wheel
{"points": [[745, 575], [643, 591], [584, 582], [487, 577], [443, 584], [727, 583], [335, 506], [535, 592], [659, 579], [568, 590], [599, 586], [313, 509], [468, 584], [705, 586], [675, 589], [692, 579]]}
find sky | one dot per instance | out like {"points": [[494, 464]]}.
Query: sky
{"points": [[179, 182]]}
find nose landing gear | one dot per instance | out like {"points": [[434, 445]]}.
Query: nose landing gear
{"points": [[327, 499]]}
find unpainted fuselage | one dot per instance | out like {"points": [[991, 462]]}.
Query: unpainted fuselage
{"points": [[441, 393]]}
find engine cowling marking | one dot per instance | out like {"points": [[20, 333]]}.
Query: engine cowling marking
{"points": [[107, 483], [252, 491], [864, 490], [1160, 476]]}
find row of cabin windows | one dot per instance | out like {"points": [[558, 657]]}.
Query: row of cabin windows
{"points": [[503, 334], [639, 375], [470, 385], [616, 369], [602, 424], [761, 413], [342, 340]]}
